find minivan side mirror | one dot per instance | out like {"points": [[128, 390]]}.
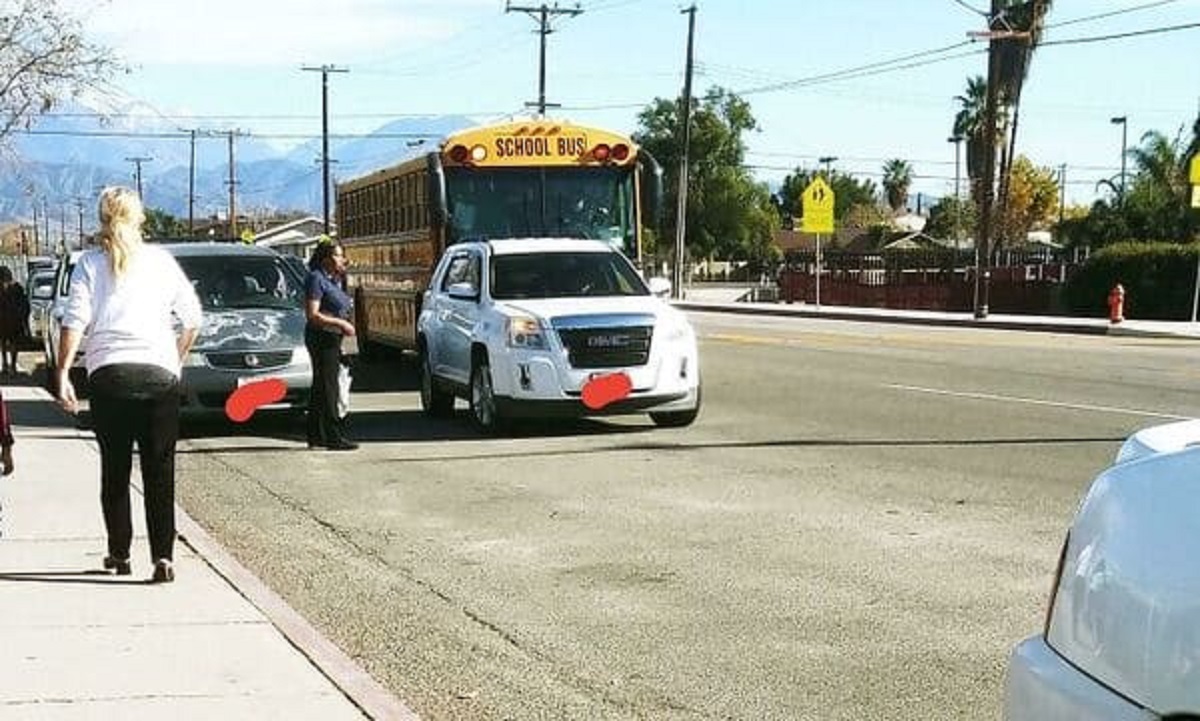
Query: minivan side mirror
{"points": [[659, 287]]}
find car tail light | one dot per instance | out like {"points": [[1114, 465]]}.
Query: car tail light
{"points": [[620, 152], [1058, 571], [601, 152]]}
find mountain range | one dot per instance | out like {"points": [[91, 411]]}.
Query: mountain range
{"points": [[68, 156]]}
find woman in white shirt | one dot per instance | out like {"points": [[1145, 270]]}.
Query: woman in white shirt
{"points": [[125, 295]]}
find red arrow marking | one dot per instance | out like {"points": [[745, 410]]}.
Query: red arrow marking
{"points": [[242, 403], [602, 390]]}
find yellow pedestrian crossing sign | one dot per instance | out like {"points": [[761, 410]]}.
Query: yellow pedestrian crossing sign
{"points": [[818, 208]]}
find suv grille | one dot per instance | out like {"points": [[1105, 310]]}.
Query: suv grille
{"points": [[612, 347], [249, 360]]}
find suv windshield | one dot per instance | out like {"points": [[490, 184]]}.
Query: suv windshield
{"points": [[563, 275], [594, 203], [230, 282]]}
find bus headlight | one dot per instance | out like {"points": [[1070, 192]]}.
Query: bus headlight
{"points": [[525, 332]]}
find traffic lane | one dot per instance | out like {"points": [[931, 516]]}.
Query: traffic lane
{"points": [[666, 573]]}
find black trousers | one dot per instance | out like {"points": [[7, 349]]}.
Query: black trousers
{"points": [[136, 403], [325, 351]]}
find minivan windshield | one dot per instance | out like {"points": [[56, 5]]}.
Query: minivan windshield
{"points": [[228, 282], [563, 275]]}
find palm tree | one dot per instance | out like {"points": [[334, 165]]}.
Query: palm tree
{"points": [[969, 123], [897, 178]]}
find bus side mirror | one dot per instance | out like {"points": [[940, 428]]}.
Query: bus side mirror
{"points": [[439, 212], [652, 189]]}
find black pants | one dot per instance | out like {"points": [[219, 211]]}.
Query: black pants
{"points": [[134, 402], [325, 351]]}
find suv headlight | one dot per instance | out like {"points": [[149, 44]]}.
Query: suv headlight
{"points": [[525, 332], [677, 330]]}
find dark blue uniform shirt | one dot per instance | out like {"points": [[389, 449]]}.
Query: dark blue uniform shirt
{"points": [[334, 301]]}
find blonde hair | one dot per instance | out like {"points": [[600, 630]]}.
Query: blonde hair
{"points": [[121, 218]]}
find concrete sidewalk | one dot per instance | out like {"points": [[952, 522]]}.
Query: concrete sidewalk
{"points": [[78, 643], [709, 302]]}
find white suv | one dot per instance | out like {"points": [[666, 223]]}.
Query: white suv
{"points": [[549, 327]]}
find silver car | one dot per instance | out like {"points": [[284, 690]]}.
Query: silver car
{"points": [[41, 296], [253, 325], [1121, 640]]}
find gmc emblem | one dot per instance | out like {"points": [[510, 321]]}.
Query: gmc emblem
{"points": [[608, 341]]}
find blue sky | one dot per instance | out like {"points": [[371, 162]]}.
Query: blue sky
{"points": [[236, 63]]}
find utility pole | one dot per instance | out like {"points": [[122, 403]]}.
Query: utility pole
{"points": [[232, 182], [37, 245], [542, 15], [686, 113], [46, 222], [983, 244], [63, 229], [192, 186], [325, 70], [1062, 194], [827, 161], [79, 207], [137, 162]]}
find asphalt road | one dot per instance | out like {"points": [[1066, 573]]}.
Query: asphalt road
{"points": [[860, 525]]}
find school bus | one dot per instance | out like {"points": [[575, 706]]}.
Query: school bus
{"points": [[526, 179]]}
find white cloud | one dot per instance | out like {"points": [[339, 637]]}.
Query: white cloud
{"points": [[266, 32]]}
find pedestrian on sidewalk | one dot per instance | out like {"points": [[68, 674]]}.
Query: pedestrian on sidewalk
{"points": [[126, 294], [14, 320]]}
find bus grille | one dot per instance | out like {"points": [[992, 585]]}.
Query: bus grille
{"points": [[614, 347]]}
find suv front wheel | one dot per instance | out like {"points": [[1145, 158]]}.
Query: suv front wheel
{"points": [[483, 397], [435, 400]]}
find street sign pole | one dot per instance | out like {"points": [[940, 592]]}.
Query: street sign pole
{"points": [[818, 218], [1194, 178], [818, 271]]}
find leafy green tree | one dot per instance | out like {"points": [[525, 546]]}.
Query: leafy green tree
{"points": [[969, 124], [43, 57], [728, 213], [951, 218], [897, 179], [848, 193], [161, 224]]}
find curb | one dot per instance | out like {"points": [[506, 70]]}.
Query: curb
{"points": [[1007, 323]]}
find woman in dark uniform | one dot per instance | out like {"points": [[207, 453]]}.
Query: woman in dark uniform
{"points": [[14, 320], [328, 309]]}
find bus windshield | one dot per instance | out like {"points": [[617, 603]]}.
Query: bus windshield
{"points": [[594, 203]]}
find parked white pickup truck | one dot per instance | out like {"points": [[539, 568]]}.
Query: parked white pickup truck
{"points": [[552, 327]]}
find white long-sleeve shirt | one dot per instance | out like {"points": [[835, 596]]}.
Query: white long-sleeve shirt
{"points": [[129, 320]]}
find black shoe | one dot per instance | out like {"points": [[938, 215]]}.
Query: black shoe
{"points": [[119, 566], [343, 445], [164, 572]]}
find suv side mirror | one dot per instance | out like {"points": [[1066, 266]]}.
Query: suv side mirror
{"points": [[659, 287], [463, 291]]}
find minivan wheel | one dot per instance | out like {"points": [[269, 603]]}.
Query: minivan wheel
{"points": [[435, 401], [483, 397]]}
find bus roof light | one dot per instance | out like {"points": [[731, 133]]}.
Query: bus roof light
{"points": [[458, 153], [479, 153], [601, 152], [620, 152]]}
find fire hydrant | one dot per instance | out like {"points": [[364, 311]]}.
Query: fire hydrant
{"points": [[1116, 304]]}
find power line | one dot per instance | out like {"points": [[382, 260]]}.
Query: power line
{"points": [[1110, 14], [1120, 36]]}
